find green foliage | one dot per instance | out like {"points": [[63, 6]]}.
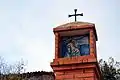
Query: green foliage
{"points": [[110, 69]]}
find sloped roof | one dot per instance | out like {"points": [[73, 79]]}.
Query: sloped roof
{"points": [[75, 24]]}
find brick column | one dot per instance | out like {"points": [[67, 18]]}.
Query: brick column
{"points": [[92, 49], [77, 67], [56, 45]]}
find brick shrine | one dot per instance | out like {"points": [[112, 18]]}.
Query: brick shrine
{"points": [[76, 67]]}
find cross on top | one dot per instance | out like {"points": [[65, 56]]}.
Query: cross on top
{"points": [[75, 14]]}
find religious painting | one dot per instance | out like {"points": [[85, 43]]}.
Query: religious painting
{"points": [[75, 46]]}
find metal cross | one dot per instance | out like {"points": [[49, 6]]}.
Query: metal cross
{"points": [[75, 14]]}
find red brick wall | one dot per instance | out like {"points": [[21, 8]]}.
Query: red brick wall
{"points": [[81, 74], [79, 67]]}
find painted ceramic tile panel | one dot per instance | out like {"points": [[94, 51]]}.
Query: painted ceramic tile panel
{"points": [[75, 46]]}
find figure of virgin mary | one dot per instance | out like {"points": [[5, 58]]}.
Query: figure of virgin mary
{"points": [[72, 49]]}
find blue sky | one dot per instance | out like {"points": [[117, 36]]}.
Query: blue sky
{"points": [[26, 28]]}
